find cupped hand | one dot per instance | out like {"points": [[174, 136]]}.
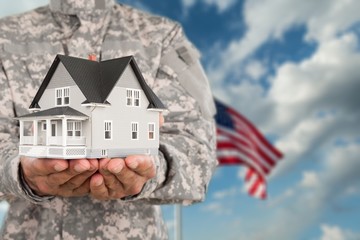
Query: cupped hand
{"points": [[118, 178], [58, 177]]}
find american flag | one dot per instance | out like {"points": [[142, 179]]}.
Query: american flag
{"points": [[239, 142]]}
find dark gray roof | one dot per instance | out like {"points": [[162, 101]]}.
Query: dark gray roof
{"points": [[57, 111], [97, 79]]}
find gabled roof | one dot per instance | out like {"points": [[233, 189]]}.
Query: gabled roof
{"points": [[97, 79], [57, 111]]}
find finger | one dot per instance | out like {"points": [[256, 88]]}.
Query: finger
{"points": [[76, 167], [131, 182], [109, 168], [79, 165], [115, 165], [98, 189], [76, 181], [143, 165], [42, 166], [82, 190]]}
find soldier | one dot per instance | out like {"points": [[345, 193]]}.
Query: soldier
{"points": [[106, 198]]}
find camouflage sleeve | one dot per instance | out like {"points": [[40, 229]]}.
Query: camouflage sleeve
{"points": [[187, 156], [12, 184]]}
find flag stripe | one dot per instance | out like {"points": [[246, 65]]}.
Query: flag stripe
{"points": [[242, 159], [234, 137], [231, 145], [258, 143], [239, 142], [256, 132]]}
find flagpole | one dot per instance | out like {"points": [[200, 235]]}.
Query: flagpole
{"points": [[178, 222]]}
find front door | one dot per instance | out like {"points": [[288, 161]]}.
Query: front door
{"points": [[53, 129]]}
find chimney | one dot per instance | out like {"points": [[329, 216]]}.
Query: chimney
{"points": [[92, 57]]}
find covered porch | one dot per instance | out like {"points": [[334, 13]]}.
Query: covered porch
{"points": [[56, 132]]}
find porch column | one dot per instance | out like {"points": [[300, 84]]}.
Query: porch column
{"points": [[35, 129], [48, 131], [64, 131], [21, 131]]}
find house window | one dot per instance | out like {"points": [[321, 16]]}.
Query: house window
{"points": [[58, 97], [136, 98], [62, 96], [128, 97], [74, 128], [134, 130], [43, 126], [132, 97], [151, 131], [108, 130], [66, 96]]}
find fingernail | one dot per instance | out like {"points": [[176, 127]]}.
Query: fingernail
{"points": [[98, 182], [59, 167], [80, 168], [117, 169], [133, 164]]}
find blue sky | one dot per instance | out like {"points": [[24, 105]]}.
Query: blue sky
{"points": [[291, 67]]}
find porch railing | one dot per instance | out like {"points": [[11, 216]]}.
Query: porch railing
{"points": [[54, 141], [75, 141], [27, 140]]}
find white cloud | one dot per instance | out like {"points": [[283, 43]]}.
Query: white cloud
{"points": [[310, 179], [301, 208], [221, 5], [332, 233], [271, 19], [216, 208], [337, 233], [18, 6], [219, 195], [255, 69]]}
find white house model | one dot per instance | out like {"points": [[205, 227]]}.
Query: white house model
{"points": [[90, 109]]}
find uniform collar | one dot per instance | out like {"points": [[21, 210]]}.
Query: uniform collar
{"points": [[74, 7]]}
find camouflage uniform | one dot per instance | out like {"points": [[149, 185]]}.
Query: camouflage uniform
{"points": [[169, 63]]}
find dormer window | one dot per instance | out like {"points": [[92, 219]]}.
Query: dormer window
{"points": [[62, 96], [136, 98], [129, 95], [132, 97]]}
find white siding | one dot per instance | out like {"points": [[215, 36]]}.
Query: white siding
{"points": [[121, 123], [128, 79], [61, 78]]}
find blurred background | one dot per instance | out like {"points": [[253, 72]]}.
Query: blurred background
{"points": [[293, 68]]}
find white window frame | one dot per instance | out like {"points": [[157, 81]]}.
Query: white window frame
{"points": [[62, 94], [133, 98], [151, 129], [134, 129], [73, 127], [108, 127], [136, 102], [129, 94]]}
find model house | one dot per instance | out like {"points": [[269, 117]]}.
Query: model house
{"points": [[90, 109]]}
